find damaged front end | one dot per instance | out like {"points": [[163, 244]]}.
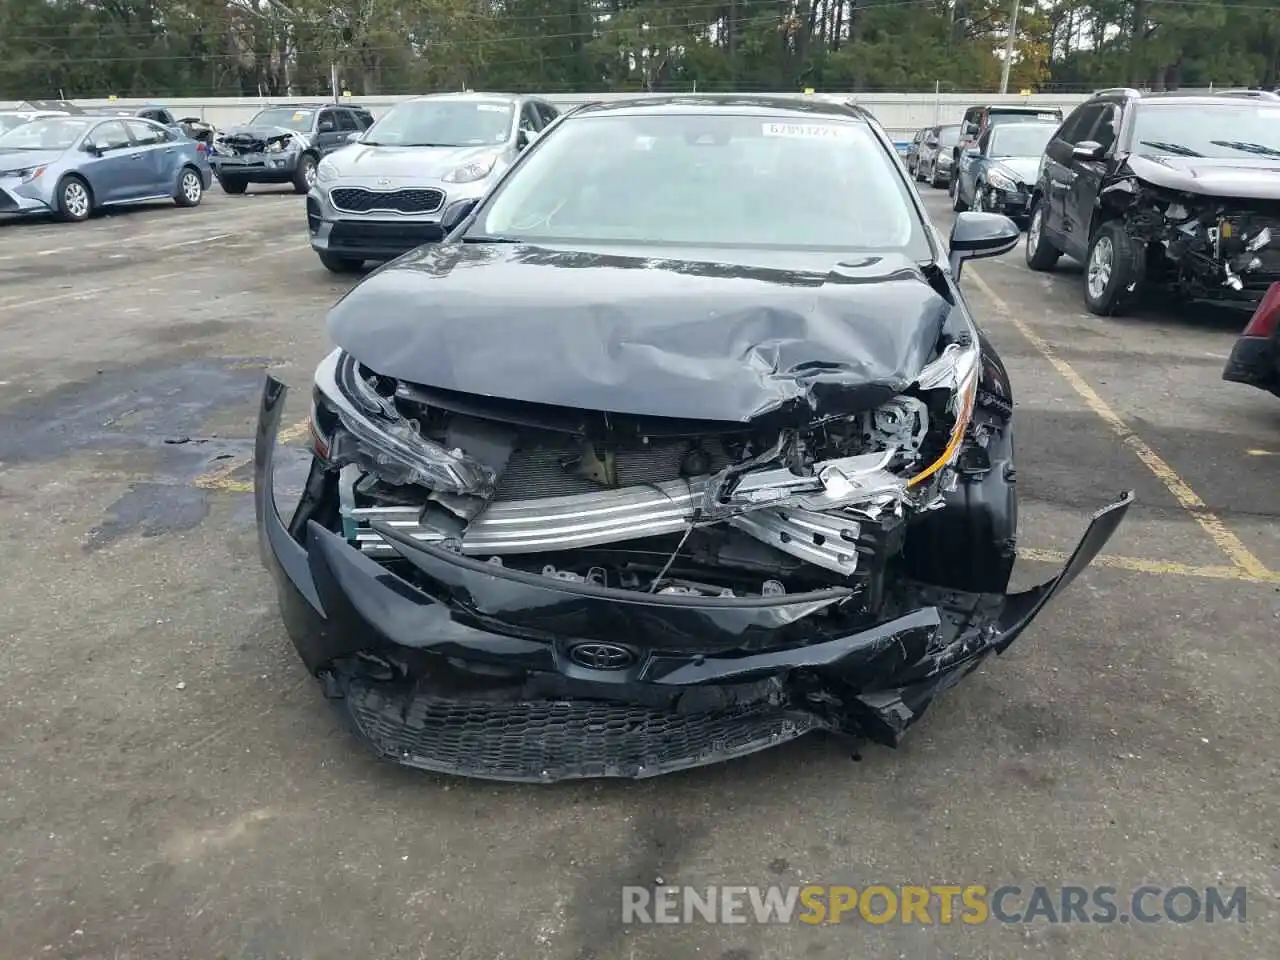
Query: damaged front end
{"points": [[527, 592], [1199, 246]]}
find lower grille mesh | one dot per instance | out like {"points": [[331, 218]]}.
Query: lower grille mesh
{"points": [[544, 740]]}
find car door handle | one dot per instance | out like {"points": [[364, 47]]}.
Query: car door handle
{"points": [[135, 156], [168, 149]]}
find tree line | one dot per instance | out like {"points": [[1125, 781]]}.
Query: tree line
{"points": [[159, 48]]}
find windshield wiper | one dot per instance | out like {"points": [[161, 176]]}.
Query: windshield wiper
{"points": [[1247, 147], [1176, 149], [423, 144], [482, 238]]}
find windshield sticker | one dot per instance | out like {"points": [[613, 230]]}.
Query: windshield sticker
{"points": [[492, 108], [299, 115], [809, 131]]}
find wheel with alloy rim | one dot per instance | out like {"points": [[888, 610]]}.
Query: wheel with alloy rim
{"points": [[190, 189], [1040, 253], [305, 178], [1114, 270], [74, 203]]}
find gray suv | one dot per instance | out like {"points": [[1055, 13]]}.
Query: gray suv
{"points": [[284, 144], [392, 189]]}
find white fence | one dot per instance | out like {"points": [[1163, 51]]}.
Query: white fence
{"points": [[900, 113]]}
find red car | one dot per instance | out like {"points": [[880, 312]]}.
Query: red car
{"points": [[1255, 359]]}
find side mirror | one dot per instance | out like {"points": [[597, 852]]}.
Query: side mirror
{"points": [[326, 126], [92, 148], [971, 130], [970, 151], [976, 236], [525, 137], [455, 213], [355, 137], [1088, 150]]}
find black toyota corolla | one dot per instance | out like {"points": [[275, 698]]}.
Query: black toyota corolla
{"points": [[683, 444]]}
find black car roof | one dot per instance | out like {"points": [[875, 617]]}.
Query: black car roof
{"points": [[778, 105]]}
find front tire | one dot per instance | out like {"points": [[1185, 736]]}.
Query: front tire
{"points": [[190, 188], [1040, 253], [1114, 270], [304, 177], [233, 185], [75, 202], [336, 264]]}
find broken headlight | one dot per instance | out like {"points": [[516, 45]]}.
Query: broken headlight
{"points": [[355, 420], [956, 369]]}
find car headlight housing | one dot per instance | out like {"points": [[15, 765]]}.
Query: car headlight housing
{"points": [[24, 174], [470, 172], [956, 369], [355, 420], [1001, 180], [326, 171]]}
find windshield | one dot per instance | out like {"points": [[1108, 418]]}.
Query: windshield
{"points": [[443, 123], [1208, 130], [53, 133], [287, 117], [1021, 140], [717, 181], [9, 121], [948, 136]]}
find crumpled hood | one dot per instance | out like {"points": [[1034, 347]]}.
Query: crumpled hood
{"points": [[703, 337], [416, 163], [257, 132], [1247, 176], [1023, 169], [22, 159]]}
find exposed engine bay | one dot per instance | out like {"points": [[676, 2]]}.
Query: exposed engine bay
{"points": [[659, 506], [1201, 246]]}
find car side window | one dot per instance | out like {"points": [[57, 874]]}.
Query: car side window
{"points": [[1104, 132], [547, 112], [165, 117], [144, 134], [529, 119], [363, 118], [346, 122], [326, 123], [984, 142], [931, 138], [1079, 123], [111, 135]]}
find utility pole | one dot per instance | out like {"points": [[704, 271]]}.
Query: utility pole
{"points": [[1008, 48]]}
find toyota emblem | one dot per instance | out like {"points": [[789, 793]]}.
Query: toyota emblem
{"points": [[601, 656]]}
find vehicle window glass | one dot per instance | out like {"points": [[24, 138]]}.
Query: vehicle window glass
{"points": [[948, 136], [346, 122], [1221, 130], [326, 122], [443, 123], [1104, 131], [287, 117], [1080, 122], [984, 142], [698, 180], [364, 119], [547, 112], [52, 133], [144, 133], [110, 135], [9, 122], [529, 119], [165, 117], [1020, 139]]}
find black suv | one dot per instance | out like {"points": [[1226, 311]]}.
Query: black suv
{"points": [[1162, 190]]}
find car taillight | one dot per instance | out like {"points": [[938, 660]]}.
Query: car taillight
{"points": [[1267, 317]]}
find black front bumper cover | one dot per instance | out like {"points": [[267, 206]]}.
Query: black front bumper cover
{"points": [[711, 678]]}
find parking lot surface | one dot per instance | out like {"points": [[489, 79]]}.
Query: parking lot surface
{"points": [[177, 787]]}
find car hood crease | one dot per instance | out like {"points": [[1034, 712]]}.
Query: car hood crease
{"points": [[1249, 177], [620, 332]]}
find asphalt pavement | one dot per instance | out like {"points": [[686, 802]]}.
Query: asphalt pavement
{"points": [[175, 785]]}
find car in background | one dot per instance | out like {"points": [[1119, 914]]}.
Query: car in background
{"points": [[392, 189], [55, 107], [152, 112], [1255, 357], [977, 120], [623, 477], [998, 174], [1166, 192], [935, 154], [912, 155], [284, 144], [71, 166]]}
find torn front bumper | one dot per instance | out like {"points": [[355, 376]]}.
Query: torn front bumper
{"points": [[1255, 361], [531, 678]]}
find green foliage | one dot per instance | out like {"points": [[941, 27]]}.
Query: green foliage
{"points": [[158, 48]]}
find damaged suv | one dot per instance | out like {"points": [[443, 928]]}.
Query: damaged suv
{"points": [[626, 476], [1167, 191]]}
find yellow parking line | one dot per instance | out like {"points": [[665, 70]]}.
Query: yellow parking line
{"points": [[1162, 568], [1210, 522], [220, 478]]}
